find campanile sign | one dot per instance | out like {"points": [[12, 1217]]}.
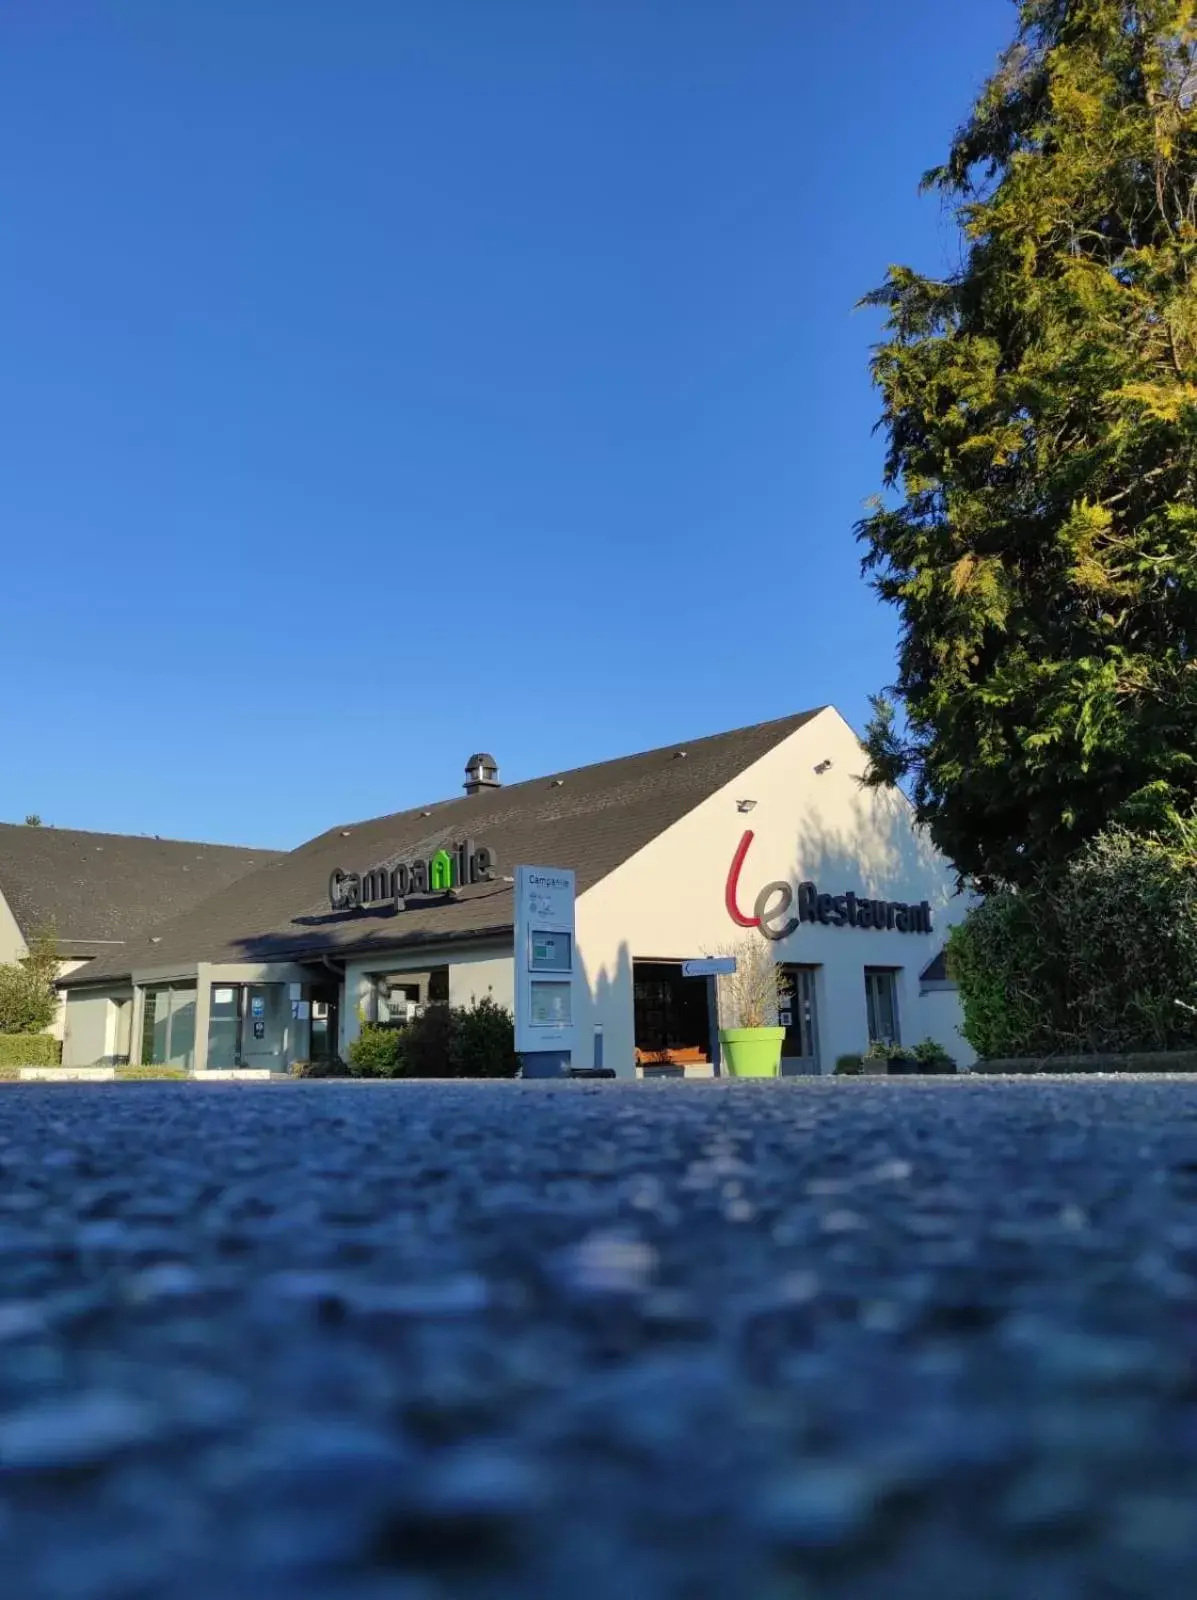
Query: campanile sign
{"points": [[445, 870]]}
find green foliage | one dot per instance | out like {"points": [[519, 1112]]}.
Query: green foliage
{"points": [[1004, 965], [1094, 958], [483, 1042], [475, 1041], [929, 1052], [152, 1074], [28, 998], [883, 1050], [322, 1067], [427, 1043], [29, 1050], [849, 1066], [376, 1053], [1041, 411]]}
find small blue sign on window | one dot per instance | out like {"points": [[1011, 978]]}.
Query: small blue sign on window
{"points": [[257, 1006]]}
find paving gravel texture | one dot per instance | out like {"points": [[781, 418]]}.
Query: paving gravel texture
{"points": [[860, 1339]]}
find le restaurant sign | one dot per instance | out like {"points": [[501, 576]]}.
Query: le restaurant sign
{"points": [[770, 912], [437, 874]]}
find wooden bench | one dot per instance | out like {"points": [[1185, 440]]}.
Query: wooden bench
{"points": [[687, 1055]]}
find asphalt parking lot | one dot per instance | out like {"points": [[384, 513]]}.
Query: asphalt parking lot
{"points": [[865, 1339]]}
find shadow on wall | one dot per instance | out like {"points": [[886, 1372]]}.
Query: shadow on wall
{"points": [[873, 848], [609, 1003]]}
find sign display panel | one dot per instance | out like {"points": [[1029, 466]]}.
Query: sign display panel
{"points": [[551, 952], [544, 961], [551, 1004]]}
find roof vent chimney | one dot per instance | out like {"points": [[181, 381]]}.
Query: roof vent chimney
{"points": [[482, 772]]}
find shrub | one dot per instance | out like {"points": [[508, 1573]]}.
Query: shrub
{"points": [[1092, 960], [474, 1041], [929, 1052], [753, 995], [849, 1066], [376, 1053], [29, 1050], [28, 998], [322, 1067], [152, 1074], [483, 1041], [425, 1042]]}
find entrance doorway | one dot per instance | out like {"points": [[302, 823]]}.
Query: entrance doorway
{"points": [[671, 1017], [324, 1040], [800, 1047], [250, 1025]]}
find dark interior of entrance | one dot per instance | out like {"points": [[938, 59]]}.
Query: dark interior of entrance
{"points": [[672, 1015], [324, 1039]]}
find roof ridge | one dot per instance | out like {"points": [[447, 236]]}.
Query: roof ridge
{"points": [[430, 806], [44, 828]]}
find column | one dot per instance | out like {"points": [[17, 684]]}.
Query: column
{"points": [[203, 1014]]}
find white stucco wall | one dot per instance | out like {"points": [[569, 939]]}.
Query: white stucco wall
{"points": [[12, 942], [57, 1028], [479, 975], [667, 901]]}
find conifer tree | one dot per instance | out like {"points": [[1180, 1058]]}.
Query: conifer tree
{"points": [[1040, 538]]}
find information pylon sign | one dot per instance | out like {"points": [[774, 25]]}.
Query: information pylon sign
{"points": [[544, 969]]}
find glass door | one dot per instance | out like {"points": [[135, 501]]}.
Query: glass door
{"points": [[800, 1047], [224, 1027], [323, 1040]]}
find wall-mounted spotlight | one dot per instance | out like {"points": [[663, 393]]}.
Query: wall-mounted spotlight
{"points": [[745, 805], [824, 766]]}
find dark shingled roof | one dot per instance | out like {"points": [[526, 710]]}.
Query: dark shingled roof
{"points": [[98, 888], [590, 819], [936, 970]]}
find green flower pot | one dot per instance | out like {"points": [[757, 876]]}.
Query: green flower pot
{"points": [[752, 1052]]}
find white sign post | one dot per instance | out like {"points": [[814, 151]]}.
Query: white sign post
{"points": [[544, 969]]}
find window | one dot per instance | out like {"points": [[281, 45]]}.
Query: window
{"points": [[881, 999], [395, 996], [168, 1025]]}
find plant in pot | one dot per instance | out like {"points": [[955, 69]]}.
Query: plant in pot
{"points": [[932, 1058], [750, 1002], [886, 1057]]}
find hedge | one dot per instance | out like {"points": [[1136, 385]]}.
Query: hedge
{"points": [[1099, 959], [1138, 1061], [29, 1050]]}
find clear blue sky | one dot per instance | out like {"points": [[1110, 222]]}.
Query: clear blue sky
{"points": [[382, 380]]}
